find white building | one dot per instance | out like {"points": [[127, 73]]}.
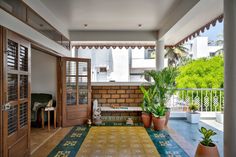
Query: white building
{"points": [[199, 47], [119, 65]]}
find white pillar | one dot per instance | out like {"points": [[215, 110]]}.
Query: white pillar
{"points": [[160, 55], [230, 78]]}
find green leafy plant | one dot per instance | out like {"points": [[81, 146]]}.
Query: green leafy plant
{"points": [[164, 82], [193, 107], [158, 110], [149, 96], [206, 139]]}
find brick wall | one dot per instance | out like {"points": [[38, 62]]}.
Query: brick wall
{"points": [[120, 96], [117, 95]]}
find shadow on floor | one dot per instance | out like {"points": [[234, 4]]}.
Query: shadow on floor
{"points": [[190, 133]]}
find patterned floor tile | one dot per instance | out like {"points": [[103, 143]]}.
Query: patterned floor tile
{"points": [[118, 142]]}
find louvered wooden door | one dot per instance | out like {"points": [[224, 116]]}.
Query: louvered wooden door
{"points": [[16, 114], [76, 91]]}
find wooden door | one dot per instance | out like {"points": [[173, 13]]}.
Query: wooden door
{"points": [[76, 91], [16, 96]]}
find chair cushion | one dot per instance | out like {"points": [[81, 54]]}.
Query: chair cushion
{"points": [[40, 97]]}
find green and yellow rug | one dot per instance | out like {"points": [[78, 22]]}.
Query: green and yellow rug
{"points": [[117, 140], [69, 146]]}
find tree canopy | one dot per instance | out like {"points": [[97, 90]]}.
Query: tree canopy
{"points": [[202, 73]]}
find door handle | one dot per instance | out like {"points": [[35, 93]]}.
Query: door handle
{"points": [[6, 107]]}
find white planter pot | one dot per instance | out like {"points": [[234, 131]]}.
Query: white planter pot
{"points": [[220, 117], [193, 117]]}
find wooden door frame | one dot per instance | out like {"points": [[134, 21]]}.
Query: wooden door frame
{"points": [[63, 74], [1, 88], [6, 33], [59, 80], [3, 38], [59, 91]]}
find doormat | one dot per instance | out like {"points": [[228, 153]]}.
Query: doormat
{"points": [[73, 141]]}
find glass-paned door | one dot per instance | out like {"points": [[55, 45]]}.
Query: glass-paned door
{"points": [[16, 99], [76, 91]]}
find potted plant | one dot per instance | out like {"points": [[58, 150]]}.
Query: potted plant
{"points": [[206, 147], [193, 116], [158, 116], [148, 100], [164, 81]]}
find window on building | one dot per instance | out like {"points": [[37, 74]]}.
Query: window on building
{"points": [[212, 54], [103, 69], [149, 54]]}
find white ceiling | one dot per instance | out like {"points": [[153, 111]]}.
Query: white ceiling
{"points": [[111, 14], [201, 14], [116, 19]]}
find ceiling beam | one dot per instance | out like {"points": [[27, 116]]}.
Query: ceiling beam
{"points": [[181, 9], [113, 35]]}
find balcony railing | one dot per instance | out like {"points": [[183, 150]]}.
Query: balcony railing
{"points": [[208, 99]]}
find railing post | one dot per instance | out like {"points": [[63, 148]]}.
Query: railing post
{"points": [[211, 102], [201, 100]]}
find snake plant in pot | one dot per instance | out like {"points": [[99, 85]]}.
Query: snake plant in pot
{"points": [[149, 94], [164, 81], [206, 148], [158, 116]]}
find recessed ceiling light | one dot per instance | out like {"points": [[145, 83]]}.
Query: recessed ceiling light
{"points": [[139, 25], [85, 25]]}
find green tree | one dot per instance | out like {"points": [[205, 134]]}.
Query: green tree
{"points": [[202, 73]]}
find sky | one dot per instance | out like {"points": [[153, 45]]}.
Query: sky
{"points": [[213, 32]]}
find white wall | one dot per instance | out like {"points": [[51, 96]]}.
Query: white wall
{"points": [[214, 48], [44, 73], [99, 58], [120, 65], [200, 47]]}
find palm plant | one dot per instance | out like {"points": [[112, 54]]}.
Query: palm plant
{"points": [[175, 53], [164, 83]]}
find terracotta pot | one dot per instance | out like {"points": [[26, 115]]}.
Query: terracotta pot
{"points": [[167, 116], [205, 151], [147, 119], [158, 122]]}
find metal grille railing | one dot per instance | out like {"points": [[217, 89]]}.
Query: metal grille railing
{"points": [[208, 99]]}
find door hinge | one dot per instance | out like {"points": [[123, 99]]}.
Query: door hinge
{"points": [[6, 107]]}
